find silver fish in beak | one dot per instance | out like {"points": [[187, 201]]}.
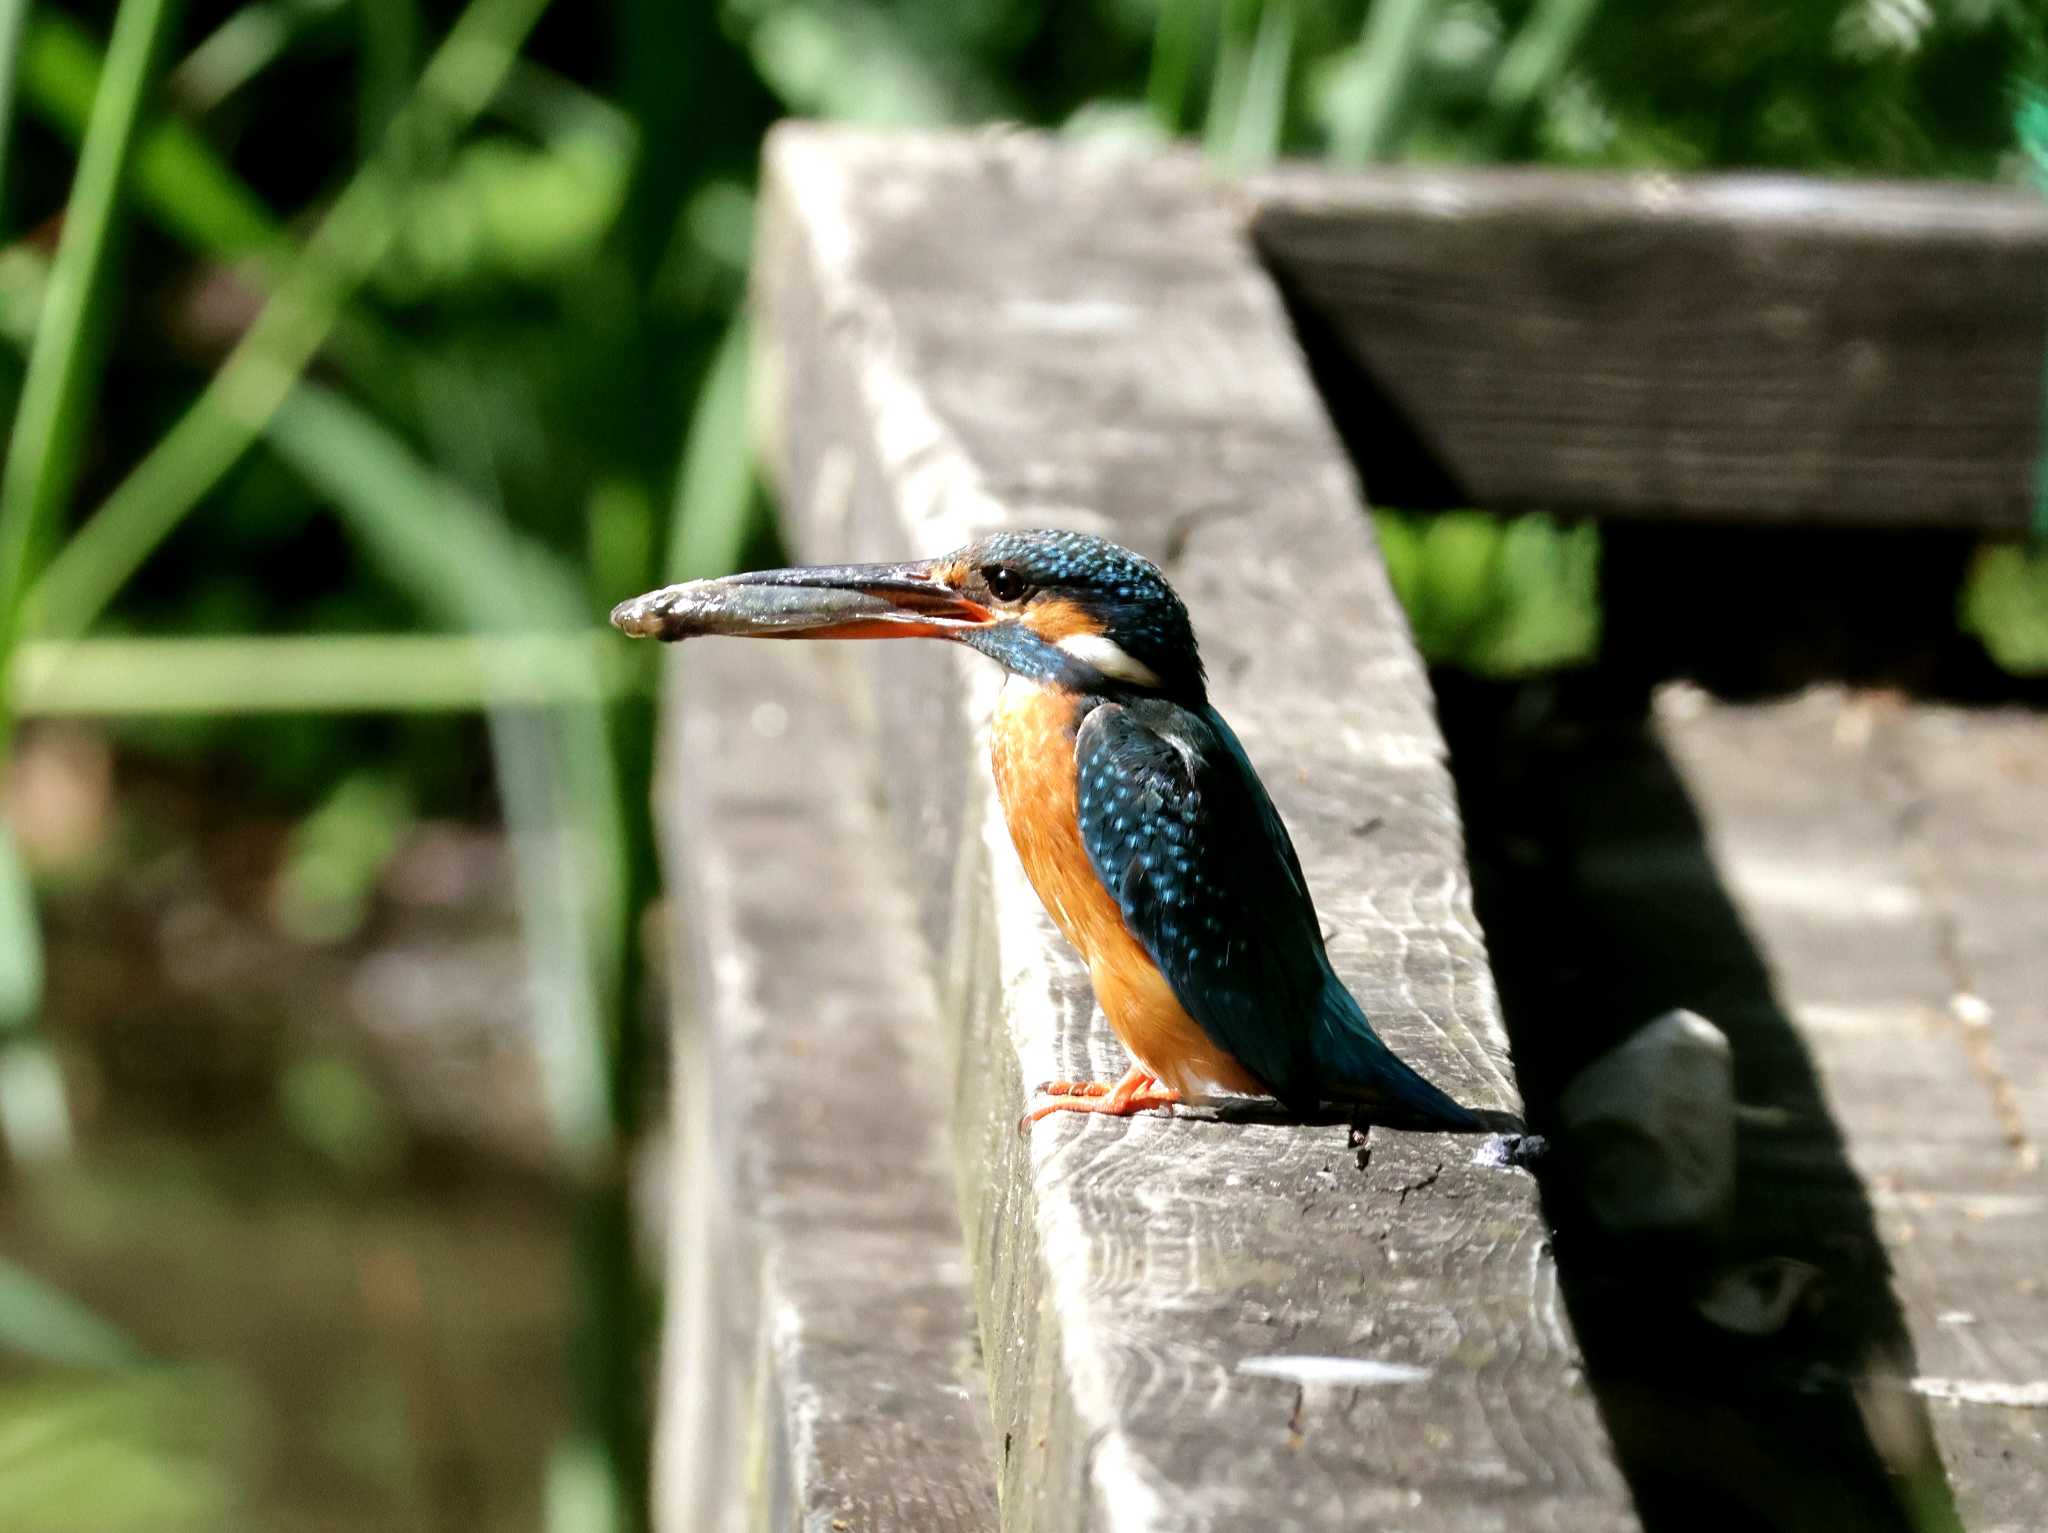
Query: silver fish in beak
{"points": [[834, 601]]}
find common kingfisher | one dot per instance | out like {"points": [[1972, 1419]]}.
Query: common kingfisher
{"points": [[1135, 811]]}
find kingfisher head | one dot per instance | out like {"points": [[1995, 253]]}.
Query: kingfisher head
{"points": [[1063, 609]]}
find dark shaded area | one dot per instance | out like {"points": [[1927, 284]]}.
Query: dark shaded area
{"points": [[1756, 611], [1394, 459], [1603, 908]]}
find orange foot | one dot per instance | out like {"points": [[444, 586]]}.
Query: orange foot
{"points": [[1137, 1091]]}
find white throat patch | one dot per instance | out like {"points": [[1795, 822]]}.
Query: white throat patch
{"points": [[1108, 657]]}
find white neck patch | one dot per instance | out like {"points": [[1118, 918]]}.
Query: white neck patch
{"points": [[1108, 657]]}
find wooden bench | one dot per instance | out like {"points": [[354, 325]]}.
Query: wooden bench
{"points": [[888, 1308]]}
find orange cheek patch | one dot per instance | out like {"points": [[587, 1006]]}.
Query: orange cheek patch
{"points": [[1059, 619]]}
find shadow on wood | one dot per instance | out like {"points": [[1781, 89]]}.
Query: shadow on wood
{"points": [[1756, 612], [1389, 444], [1604, 906], [1507, 1125]]}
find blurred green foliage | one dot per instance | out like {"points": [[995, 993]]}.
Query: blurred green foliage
{"points": [[2005, 604], [545, 313], [136, 1452], [562, 290], [37, 1321], [346, 330], [1504, 596]]}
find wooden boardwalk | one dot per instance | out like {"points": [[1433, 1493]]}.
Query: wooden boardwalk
{"points": [[1843, 881], [821, 1368], [890, 1310], [1891, 860], [1184, 1324]]}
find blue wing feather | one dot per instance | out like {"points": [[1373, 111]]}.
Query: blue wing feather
{"points": [[1174, 830], [1183, 835]]}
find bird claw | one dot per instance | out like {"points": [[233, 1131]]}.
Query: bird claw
{"points": [[1072, 1089], [1136, 1092]]}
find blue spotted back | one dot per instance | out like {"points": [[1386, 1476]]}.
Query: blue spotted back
{"points": [[1188, 845], [1183, 835]]}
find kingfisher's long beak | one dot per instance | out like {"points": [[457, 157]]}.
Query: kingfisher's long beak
{"points": [[827, 601]]}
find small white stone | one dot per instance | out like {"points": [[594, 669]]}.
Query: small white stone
{"points": [[1679, 701], [1651, 1125]]}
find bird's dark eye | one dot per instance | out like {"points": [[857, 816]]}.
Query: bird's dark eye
{"points": [[1005, 584]]}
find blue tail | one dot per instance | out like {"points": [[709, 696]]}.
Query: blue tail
{"points": [[1353, 1065]]}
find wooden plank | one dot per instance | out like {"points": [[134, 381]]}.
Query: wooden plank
{"points": [[1976, 826], [1888, 860], [1730, 346], [960, 334], [818, 1367]]}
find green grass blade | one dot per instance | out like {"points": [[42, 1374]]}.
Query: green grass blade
{"points": [[1541, 48], [35, 1122], [13, 19], [57, 390], [24, 279], [1237, 32], [574, 880], [191, 193], [323, 673], [42, 450], [1261, 117], [232, 412], [176, 177], [1372, 110], [45, 1323], [2030, 127], [21, 955], [715, 488], [241, 48], [462, 565], [454, 556]]}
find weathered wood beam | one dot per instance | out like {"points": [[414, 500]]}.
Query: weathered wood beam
{"points": [[1186, 1324], [1888, 860], [819, 1366], [1733, 346]]}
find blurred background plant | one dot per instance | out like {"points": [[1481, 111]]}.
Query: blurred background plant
{"points": [[360, 354]]}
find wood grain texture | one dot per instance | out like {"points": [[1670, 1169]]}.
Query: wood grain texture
{"points": [[1889, 860], [1754, 347], [819, 1368], [962, 334]]}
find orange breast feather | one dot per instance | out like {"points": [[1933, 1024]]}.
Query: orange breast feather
{"points": [[1034, 764]]}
